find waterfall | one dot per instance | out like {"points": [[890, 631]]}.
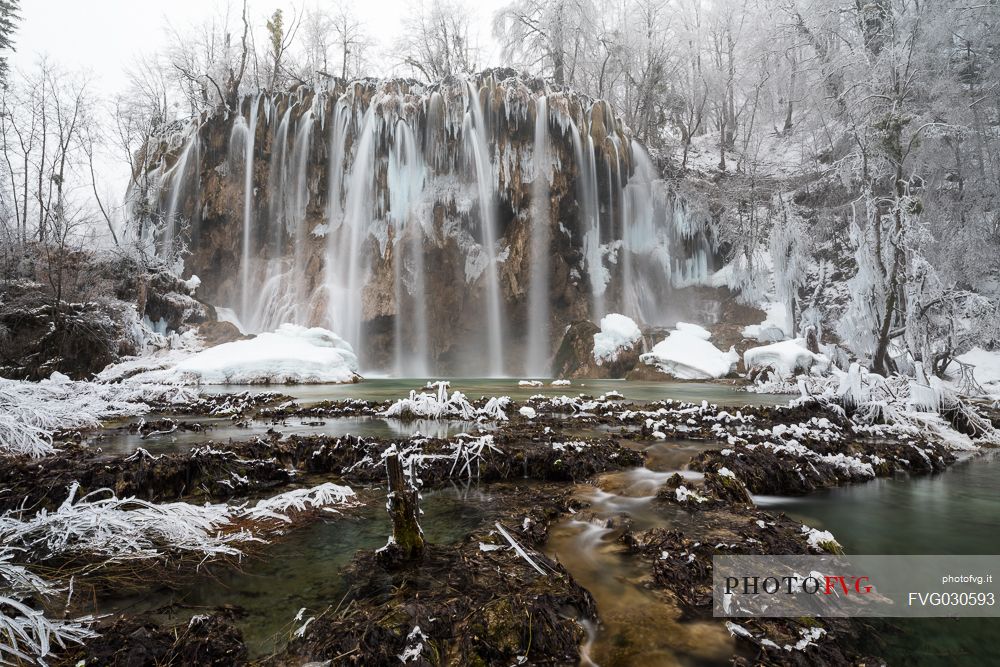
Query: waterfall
{"points": [[298, 204], [406, 178], [590, 213], [412, 219], [474, 135], [539, 343], [346, 265], [248, 192], [640, 235], [177, 185]]}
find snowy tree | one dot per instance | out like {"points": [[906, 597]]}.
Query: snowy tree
{"points": [[438, 41], [8, 24], [546, 35]]}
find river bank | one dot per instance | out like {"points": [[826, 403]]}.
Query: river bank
{"points": [[615, 507]]}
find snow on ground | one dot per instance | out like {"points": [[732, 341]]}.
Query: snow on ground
{"points": [[987, 368], [787, 358], [687, 354], [290, 355], [618, 333]]}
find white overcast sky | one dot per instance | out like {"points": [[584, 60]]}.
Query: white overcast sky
{"points": [[105, 36]]}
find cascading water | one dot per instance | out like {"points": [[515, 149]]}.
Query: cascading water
{"points": [[474, 134], [538, 291], [299, 227], [590, 213], [406, 178], [425, 215], [249, 142], [178, 179]]}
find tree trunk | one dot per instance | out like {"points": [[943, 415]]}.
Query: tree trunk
{"points": [[406, 533]]}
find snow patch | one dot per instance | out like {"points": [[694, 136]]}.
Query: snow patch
{"points": [[618, 333], [291, 355], [688, 355], [786, 358]]}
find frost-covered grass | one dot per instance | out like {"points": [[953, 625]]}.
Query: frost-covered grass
{"points": [[31, 411], [440, 405], [102, 526], [26, 634], [110, 530]]}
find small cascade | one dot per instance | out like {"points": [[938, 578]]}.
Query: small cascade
{"points": [[437, 228], [474, 135], [539, 343], [178, 180]]}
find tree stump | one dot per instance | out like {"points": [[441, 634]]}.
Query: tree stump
{"points": [[406, 533]]}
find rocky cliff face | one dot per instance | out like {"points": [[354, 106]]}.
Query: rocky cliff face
{"points": [[456, 227]]}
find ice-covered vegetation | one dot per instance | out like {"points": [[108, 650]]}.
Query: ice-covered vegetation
{"points": [[26, 633], [31, 411], [105, 530], [440, 405], [924, 405], [126, 529]]}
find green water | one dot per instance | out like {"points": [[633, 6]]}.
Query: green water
{"points": [[304, 569], [382, 389], [954, 512], [118, 440]]}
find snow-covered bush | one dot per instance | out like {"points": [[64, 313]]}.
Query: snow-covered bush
{"points": [[440, 405], [786, 358]]}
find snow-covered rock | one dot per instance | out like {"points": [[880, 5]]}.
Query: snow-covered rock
{"points": [[617, 333], [687, 354], [774, 328], [292, 354], [787, 358]]}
